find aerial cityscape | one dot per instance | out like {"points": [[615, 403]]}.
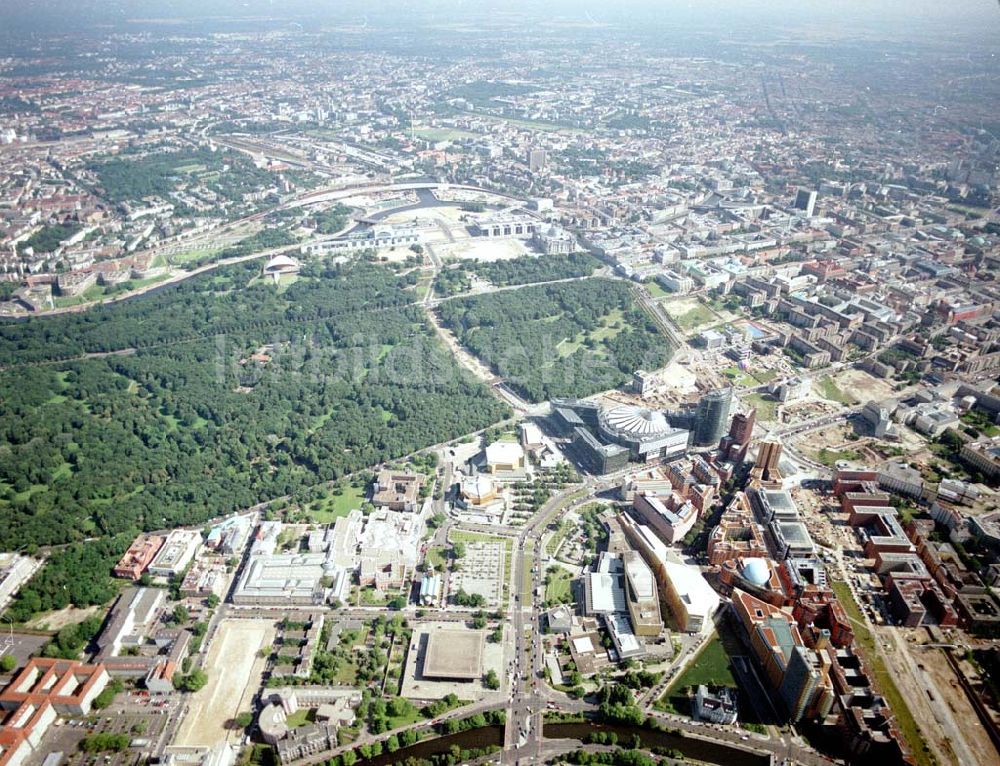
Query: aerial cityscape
{"points": [[465, 382]]}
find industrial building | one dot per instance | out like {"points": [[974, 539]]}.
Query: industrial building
{"points": [[287, 579]]}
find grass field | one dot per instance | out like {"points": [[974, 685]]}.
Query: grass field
{"points": [[691, 318], [437, 558], [331, 507], [883, 677], [832, 457], [829, 390], [654, 289], [739, 377], [767, 408], [711, 667], [556, 540], [193, 255], [610, 325], [558, 585], [299, 718]]}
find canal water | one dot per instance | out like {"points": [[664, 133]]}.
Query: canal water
{"points": [[696, 749], [466, 740]]}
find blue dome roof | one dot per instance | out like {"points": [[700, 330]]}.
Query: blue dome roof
{"points": [[756, 572]]}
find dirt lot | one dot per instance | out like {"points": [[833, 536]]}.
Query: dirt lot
{"points": [[862, 386], [234, 668], [938, 702], [477, 249], [60, 619]]}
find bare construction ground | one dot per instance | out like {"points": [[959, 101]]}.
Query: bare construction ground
{"points": [[59, 619], [945, 715], [483, 249], [862, 386], [234, 668]]}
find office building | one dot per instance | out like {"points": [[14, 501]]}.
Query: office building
{"points": [[712, 417], [765, 469], [176, 553], [397, 491], [670, 520], [805, 200], [138, 557], [719, 707], [537, 159], [595, 456], [641, 597]]}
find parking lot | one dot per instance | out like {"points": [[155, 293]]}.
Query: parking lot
{"points": [[142, 719]]}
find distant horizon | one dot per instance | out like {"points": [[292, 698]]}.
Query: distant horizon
{"points": [[981, 17]]}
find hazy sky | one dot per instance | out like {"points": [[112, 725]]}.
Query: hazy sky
{"points": [[948, 16]]}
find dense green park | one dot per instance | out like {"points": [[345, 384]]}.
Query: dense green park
{"points": [[187, 426], [568, 339], [518, 271]]}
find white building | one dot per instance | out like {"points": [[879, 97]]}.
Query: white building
{"points": [[177, 552]]}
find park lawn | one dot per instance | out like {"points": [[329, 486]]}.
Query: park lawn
{"points": [[332, 507], [558, 586], [193, 255], [695, 317], [92, 293], [654, 289], [437, 558], [711, 667], [883, 677], [767, 408], [556, 540], [347, 674], [372, 597], [299, 718], [398, 721], [829, 390], [832, 457], [764, 376], [739, 377], [606, 331]]}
